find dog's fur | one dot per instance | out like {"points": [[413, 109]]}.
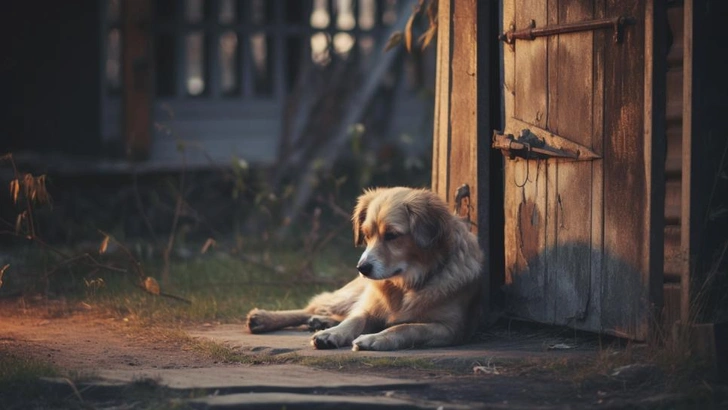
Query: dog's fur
{"points": [[419, 282]]}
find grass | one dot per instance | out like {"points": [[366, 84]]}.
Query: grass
{"points": [[220, 286], [16, 370], [20, 380]]}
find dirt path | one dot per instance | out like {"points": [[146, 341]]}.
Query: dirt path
{"points": [[86, 341], [83, 339]]}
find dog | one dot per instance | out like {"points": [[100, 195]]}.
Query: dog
{"points": [[419, 282]]}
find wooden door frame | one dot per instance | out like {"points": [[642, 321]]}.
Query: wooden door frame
{"points": [[467, 110]]}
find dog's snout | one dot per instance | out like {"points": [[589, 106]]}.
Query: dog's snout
{"points": [[365, 268]]}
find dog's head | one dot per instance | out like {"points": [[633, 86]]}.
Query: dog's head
{"points": [[405, 231]]}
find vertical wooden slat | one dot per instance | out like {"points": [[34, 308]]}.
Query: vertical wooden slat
{"points": [[530, 83], [627, 289], [137, 78], [464, 102], [509, 89], [597, 180], [441, 127], [526, 182], [571, 203], [687, 158], [551, 216]]}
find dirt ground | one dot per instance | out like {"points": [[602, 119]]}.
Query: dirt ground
{"points": [[80, 340]]}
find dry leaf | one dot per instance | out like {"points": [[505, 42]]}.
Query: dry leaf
{"points": [[42, 195], [104, 244], [2, 272], [426, 38], [408, 30], [393, 41], [15, 189], [208, 243], [29, 185], [485, 370], [151, 285], [19, 222], [561, 346]]}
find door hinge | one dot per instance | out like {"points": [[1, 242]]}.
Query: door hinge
{"points": [[532, 32]]}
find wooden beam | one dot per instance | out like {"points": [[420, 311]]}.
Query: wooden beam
{"points": [[441, 129], [467, 109], [136, 77]]}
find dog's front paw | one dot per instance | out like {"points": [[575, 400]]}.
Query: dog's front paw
{"points": [[373, 342], [258, 321], [327, 339], [317, 323]]}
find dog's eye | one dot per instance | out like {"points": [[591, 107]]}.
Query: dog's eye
{"points": [[389, 236]]}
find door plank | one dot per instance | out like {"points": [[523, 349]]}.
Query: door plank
{"points": [[464, 103], [597, 189], [525, 239], [571, 93], [624, 289], [530, 64], [441, 141]]}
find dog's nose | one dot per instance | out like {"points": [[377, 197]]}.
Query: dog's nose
{"points": [[365, 268]]}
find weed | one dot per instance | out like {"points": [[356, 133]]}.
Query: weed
{"points": [[15, 369]]}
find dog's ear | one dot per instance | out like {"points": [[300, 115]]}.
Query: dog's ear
{"points": [[429, 220], [360, 214]]}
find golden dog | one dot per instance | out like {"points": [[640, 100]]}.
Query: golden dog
{"points": [[419, 282]]}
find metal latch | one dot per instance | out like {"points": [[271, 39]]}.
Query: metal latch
{"points": [[463, 204], [532, 32], [528, 146]]}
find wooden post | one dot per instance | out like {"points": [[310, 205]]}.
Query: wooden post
{"points": [[467, 110], [136, 77]]}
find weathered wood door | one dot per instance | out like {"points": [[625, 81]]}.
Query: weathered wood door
{"points": [[584, 194]]}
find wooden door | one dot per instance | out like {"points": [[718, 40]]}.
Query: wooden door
{"points": [[584, 195]]}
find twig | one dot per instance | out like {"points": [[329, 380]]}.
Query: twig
{"points": [[175, 221], [140, 206], [81, 257], [140, 271], [334, 207], [166, 295], [135, 263]]}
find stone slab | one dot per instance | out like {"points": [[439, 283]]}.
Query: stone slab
{"points": [[307, 401], [269, 378], [496, 347]]}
